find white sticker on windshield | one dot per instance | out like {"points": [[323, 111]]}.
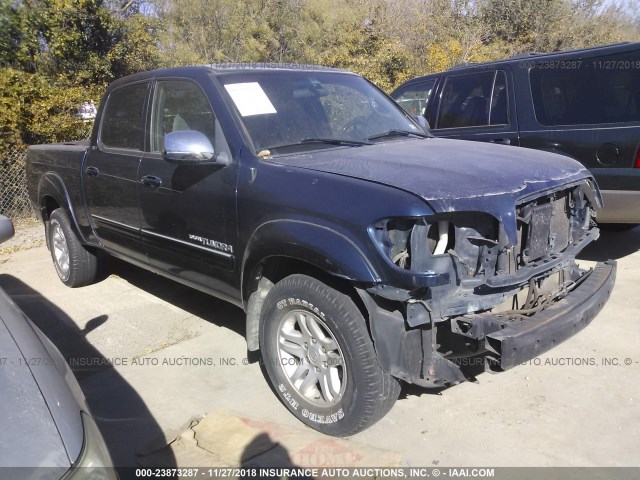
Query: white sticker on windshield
{"points": [[250, 99]]}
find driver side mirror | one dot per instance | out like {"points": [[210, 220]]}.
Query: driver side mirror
{"points": [[188, 146]]}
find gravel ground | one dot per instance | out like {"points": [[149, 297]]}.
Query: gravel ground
{"points": [[28, 235]]}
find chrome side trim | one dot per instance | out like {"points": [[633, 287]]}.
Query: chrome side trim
{"points": [[108, 220]]}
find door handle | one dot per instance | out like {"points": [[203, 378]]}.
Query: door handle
{"points": [[501, 141], [151, 181], [92, 171]]}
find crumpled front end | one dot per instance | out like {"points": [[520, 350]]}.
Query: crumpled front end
{"points": [[501, 295]]}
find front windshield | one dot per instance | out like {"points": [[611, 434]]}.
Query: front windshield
{"points": [[284, 110]]}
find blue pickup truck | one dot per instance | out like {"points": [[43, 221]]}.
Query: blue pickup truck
{"points": [[364, 251]]}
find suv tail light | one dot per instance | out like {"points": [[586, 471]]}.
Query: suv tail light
{"points": [[636, 162]]}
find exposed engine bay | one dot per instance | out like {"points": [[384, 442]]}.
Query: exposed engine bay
{"points": [[493, 283]]}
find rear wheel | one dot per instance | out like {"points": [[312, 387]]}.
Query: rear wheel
{"points": [[75, 265], [320, 358]]}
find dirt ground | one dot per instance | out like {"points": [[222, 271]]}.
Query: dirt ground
{"points": [[29, 235], [165, 373]]}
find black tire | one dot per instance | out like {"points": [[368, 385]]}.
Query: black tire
{"points": [[617, 227], [78, 267], [362, 392]]}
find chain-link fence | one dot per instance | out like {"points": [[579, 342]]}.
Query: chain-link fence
{"points": [[14, 198]]}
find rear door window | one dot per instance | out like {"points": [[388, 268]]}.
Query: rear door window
{"points": [[474, 100], [597, 90], [122, 120]]}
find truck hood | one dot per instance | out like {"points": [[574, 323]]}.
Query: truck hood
{"points": [[451, 175]]}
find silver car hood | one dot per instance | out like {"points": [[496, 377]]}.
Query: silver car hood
{"points": [[40, 414], [29, 437]]}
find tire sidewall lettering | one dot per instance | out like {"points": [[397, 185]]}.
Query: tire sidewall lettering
{"points": [[312, 416], [296, 302], [323, 419], [288, 397]]}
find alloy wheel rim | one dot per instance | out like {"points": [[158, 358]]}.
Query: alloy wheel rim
{"points": [[60, 250], [311, 359]]}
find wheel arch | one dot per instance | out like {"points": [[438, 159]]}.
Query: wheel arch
{"points": [[318, 251], [52, 194]]}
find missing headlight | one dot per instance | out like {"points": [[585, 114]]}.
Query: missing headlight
{"points": [[410, 242], [413, 243]]}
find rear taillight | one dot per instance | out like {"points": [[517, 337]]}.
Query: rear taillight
{"points": [[636, 162]]}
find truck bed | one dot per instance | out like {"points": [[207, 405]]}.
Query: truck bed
{"points": [[57, 159]]}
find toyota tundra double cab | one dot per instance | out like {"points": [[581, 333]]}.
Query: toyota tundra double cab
{"points": [[364, 251]]}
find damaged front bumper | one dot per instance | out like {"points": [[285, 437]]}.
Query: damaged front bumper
{"points": [[519, 341], [435, 354]]}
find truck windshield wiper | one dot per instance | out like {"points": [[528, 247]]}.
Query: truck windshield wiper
{"points": [[329, 141], [335, 141], [398, 133]]}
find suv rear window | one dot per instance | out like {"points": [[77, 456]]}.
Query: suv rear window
{"points": [[474, 100], [589, 91]]}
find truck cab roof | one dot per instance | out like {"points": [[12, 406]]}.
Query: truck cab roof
{"points": [[224, 69]]}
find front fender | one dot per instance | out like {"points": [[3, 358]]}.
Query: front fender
{"points": [[323, 246]]}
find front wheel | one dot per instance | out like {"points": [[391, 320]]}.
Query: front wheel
{"points": [[320, 358]]}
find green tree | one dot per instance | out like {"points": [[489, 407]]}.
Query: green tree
{"points": [[55, 54], [551, 25], [34, 110]]}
